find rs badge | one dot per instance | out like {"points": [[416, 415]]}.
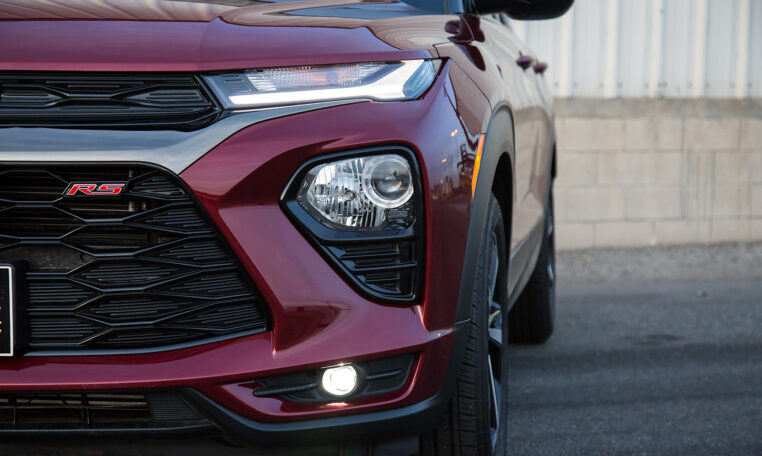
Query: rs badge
{"points": [[91, 189]]}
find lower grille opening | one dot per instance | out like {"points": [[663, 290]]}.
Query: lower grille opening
{"points": [[94, 410]]}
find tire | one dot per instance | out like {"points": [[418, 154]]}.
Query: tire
{"points": [[475, 422], [531, 318]]}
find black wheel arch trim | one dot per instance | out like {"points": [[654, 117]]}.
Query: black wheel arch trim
{"points": [[498, 142]]}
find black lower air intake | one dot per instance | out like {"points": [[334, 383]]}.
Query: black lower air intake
{"points": [[93, 410]]}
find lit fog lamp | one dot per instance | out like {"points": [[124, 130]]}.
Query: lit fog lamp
{"points": [[339, 381]]}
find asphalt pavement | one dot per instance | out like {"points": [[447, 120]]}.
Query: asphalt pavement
{"points": [[656, 352]]}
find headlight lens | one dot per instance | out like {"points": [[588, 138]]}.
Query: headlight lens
{"points": [[363, 193], [382, 81], [387, 181]]}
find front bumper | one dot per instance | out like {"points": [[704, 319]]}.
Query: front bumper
{"points": [[317, 318]]}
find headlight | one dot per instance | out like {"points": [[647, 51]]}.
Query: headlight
{"points": [[382, 81], [362, 193], [364, 212]]}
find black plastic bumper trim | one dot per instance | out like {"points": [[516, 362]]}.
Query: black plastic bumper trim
{"points": [[410, 420], [372, 426]]}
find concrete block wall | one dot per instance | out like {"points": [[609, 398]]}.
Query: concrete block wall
{"points": [[640, 172]]}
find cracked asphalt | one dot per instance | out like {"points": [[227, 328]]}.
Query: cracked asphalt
{"points": [[656, 352]]}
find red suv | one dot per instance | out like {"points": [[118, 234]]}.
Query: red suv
{"points": [[315, 221]]}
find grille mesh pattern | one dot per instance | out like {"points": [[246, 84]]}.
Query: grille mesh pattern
{"points": [[141, 270], [385, 267], [92, 410], [105, 100]]}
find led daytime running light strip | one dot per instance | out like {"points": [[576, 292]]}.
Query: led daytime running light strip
{"points": [[389, 87]]}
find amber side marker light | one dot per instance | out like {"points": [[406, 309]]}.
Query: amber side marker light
{"points": [[477, 164]]}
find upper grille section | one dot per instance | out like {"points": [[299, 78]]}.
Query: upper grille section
{"points": [[105, 100], [141, 270]]}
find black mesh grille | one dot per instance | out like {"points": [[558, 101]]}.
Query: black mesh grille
{"points": [[93, 410], [177, 101], [141, 270]]}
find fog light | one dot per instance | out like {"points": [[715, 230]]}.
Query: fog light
{"points": [[339, 381]]}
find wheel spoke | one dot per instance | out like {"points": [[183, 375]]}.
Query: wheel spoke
{"points": [[494, 415], [494, 315], [496, 336], [493, 267]]}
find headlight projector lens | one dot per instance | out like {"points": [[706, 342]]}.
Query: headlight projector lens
{"points": [[339, 381], [387, 181]]}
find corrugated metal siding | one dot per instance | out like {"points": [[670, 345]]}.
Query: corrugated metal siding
{"points": [[632, 60], [755, 49], [652, 48]]}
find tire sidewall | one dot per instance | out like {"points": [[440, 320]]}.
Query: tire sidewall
{"points": [[495, 224]]}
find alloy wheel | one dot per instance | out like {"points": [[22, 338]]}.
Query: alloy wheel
{"points": [[494, 352]]}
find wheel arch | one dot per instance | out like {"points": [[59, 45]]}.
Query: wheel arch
{"points": [[495, 173]]}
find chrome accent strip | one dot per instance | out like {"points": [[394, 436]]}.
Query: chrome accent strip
{"points": [[171, 149]]}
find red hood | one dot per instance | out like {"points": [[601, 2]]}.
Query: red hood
{"points": [[170, 35]]}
